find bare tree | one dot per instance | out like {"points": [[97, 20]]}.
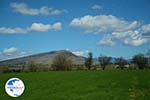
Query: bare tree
{"points": [[61, 62], [104, 61], [89, 61], [140, 60]]}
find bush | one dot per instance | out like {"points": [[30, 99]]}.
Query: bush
{"points": [[34, 67]]}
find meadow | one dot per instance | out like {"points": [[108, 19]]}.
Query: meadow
{"points": [[82, 85]]}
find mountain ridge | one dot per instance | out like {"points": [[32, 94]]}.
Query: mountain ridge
{"points": [[45, 58]]}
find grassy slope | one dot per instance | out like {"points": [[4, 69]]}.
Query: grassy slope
{"points": [[82, 85]]}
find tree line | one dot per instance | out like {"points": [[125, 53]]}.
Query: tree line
{"points": [[139, 60], [62, 63]]}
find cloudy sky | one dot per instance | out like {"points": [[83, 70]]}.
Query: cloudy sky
{"points": [[105, 27]]}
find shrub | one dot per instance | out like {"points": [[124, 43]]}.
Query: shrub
{"points": [[34, 67]]}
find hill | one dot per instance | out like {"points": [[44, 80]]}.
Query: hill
{"points": [[43, 58]]}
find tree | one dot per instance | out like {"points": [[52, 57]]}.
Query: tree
{"points": [[61, 62], [121, 62], [88, 62], [140, 60], [104, 61]]}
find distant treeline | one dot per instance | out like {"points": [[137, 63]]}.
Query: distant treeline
{"points": [[62, 63]]}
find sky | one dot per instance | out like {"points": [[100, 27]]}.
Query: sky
{"points": [[117, 28]]}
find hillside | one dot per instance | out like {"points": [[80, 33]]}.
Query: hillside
{"points": [[43, 58]]}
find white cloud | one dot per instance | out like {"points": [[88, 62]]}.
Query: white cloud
{"points": [[10, 51], [103, 23], [126, 34], [39, 27], [97, 7], [133, 38], [44, 10], [119, 30], [6, 30], [135, 42], [13, 52], [57, 12], [107, 40], [24, 9], [35, 27], [145, 30], [56, 26], [80, 53]]}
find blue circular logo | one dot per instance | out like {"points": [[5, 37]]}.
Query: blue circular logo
{"points": [[14, 87]]}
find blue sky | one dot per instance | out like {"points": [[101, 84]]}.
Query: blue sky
{"points": [[108, 27]]}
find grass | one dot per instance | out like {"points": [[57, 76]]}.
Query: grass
{"points": [[82, 85]]}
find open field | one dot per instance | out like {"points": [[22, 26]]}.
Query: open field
{"points": [[82, 85]]}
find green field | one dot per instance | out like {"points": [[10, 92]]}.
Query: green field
{"points": [[82, 85]]}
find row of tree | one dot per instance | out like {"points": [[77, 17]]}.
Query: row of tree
{"points": [[61, 62], [139, 60]]}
